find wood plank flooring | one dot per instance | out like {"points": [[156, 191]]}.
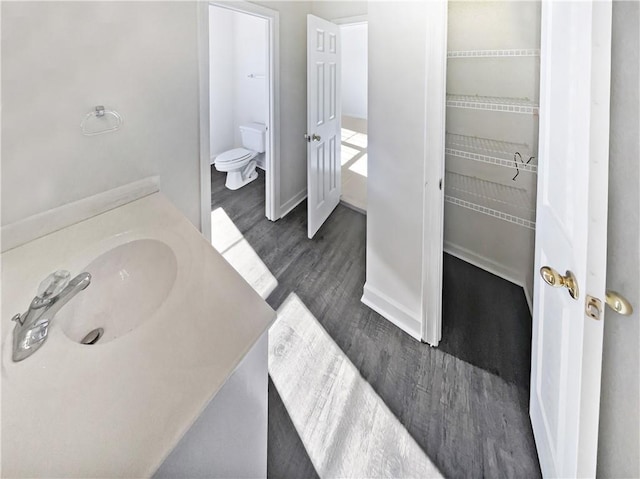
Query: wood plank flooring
{"points": [[486, 321], [347, 386]]}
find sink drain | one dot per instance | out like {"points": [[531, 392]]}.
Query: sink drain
{"points": [[93, 337]]}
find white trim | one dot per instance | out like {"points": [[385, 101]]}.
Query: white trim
{"points": [[272, 160], [355, 208], [392, 311], [355, 20], [484, 263], [490, 266], [272, 170], [41, 224], [203, 123], [434, 167], [288, 207]]}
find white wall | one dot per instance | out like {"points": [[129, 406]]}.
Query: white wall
{"points": [[60, 60], [221, 80], [251, 96], [332, 9], [396, 156], [147, 70], [238, 47], [354, 70], [619, 435], [293, 97]]}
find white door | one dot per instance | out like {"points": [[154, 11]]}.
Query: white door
{"points": [[323, 121], [571, 234]]}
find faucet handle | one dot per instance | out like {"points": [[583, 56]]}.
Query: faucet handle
{"points": [[53, 284]]}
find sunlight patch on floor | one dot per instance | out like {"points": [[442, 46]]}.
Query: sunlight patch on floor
{"points": [[359, 139], [346, 428], [227, 239], [360, 166], [346, 133], [347, 154]]}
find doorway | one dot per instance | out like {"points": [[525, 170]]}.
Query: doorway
{"points": [[354, 141], [240, 119], [490, 185]]}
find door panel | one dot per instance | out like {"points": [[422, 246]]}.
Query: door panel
{"points": [[323, 124], [570, 233]]}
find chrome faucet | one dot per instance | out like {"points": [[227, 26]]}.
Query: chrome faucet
{"points": [[32, 327]]}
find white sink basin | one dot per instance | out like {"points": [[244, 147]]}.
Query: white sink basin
{"points": [[128, 284]]}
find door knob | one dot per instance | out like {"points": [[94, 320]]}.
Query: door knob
{"points": [[555, 279], [313, 137], [618, 303]]}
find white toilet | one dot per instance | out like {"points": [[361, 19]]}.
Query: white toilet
{"points": [[240, 163]]}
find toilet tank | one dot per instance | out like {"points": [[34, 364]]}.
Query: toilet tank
{"points": [[253, 135]]}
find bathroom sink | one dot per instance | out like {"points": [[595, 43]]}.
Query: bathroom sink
{"points": [[128, 284]]}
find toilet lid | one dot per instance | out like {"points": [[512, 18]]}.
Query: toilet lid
{"points": [[234, 155]]}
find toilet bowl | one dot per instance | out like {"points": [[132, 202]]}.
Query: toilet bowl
{"points": [[240, 163]]}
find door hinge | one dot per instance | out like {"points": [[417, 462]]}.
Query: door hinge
{"points": [[593, 307], [440, 184]]}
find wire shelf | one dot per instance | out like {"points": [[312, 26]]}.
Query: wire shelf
{"points": [[507, 203], [490, 151], [492, 103], [522, 52]]}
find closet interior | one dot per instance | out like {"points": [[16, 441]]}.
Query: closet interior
{"points": [[493, 72]]}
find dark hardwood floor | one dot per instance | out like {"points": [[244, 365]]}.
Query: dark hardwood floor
{"points": [[486, 321], [465, 403]]}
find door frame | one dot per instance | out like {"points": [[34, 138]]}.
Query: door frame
{"points": [[587, 456], [434, 166], [272, 159], [351, 22]]}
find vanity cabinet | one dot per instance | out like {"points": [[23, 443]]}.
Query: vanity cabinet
{"points": [[229, 438]]}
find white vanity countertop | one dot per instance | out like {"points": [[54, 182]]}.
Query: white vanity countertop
{"points": [[118, 409]]}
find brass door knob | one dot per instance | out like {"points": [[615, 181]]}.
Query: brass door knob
{"points": [[618, 303], [555, 279]]}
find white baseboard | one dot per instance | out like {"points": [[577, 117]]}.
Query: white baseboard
{"points": [[353, 207], [491, 267], [289, 205], [392, 311], [41, 224], [484, 263]]}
